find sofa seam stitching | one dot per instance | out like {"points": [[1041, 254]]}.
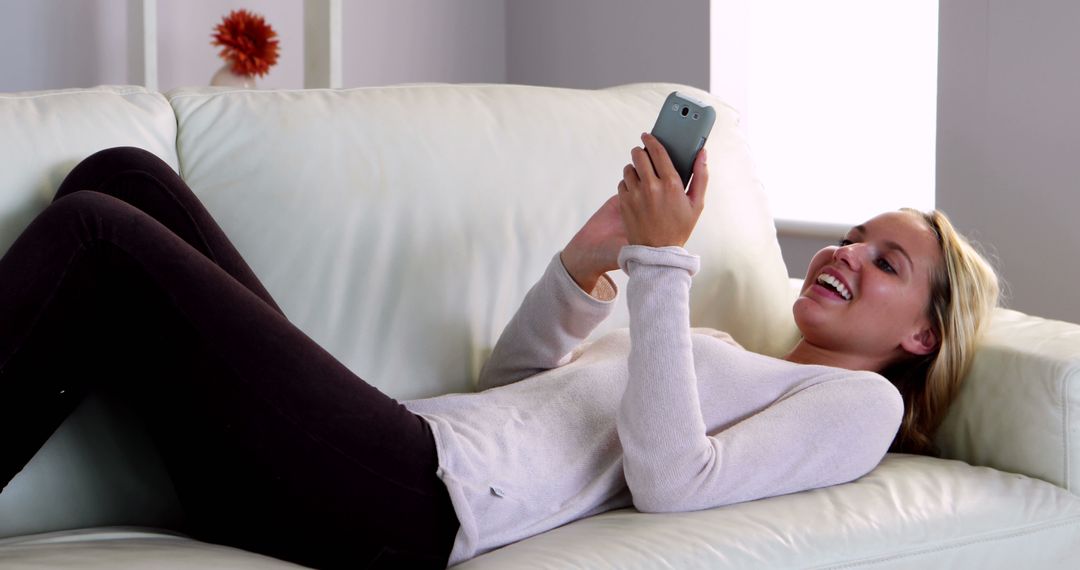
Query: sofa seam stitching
{"points": [[1065, 401], [969, 542], [121, 92], [213, 94]]}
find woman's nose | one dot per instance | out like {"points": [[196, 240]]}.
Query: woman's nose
{"points": [[850, 255]]}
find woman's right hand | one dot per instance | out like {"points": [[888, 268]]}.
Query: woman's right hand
{"points": [[656, 211], [594, 250]]}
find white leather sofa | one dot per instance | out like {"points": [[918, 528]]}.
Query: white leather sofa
{"points": [[401, 226]]}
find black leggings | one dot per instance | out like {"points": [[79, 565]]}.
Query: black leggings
{"points": [[124, 282]]}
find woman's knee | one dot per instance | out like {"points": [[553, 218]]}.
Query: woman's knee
{"points": [[89, 209], [120, 158], [103, 165]]}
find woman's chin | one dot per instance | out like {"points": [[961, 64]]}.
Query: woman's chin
{"points": [[811, 316], [806, 308]]}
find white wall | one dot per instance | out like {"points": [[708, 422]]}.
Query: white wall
{"points": [[599, 43]]}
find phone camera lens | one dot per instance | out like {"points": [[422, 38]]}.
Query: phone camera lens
{"points": [[685, 111]]}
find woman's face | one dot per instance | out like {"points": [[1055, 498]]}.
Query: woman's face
{"points": [[868, 296]]}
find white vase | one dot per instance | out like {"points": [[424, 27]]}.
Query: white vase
{"points": [[226, 78]]}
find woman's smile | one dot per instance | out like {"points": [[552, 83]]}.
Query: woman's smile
{"points": [[831, 283]]}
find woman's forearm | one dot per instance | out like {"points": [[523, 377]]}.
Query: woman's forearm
{"points": [[554, 318], [659, 419]]}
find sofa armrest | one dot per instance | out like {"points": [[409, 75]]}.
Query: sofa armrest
{"points": [[1019, 407]]}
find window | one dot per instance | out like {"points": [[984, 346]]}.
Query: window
{"points": [[838, 100]]}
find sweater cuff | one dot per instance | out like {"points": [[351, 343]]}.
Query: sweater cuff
{"points": [[671, 256], [602, 295]]}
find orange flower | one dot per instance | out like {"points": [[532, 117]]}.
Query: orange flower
{"points": [[247, 43]]}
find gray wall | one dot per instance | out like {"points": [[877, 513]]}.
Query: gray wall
{"points": [[53, 44], [1009, 141], [50, 44], [408, 41], [798, 249], [599, 43]]}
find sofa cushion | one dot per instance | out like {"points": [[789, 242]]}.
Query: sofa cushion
{"points": [[46, 133], [400, 227], [1019, 407], [120, 548], [910, 512]]}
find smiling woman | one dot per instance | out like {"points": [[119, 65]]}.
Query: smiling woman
{"points": [[277, 447], [903, 294]]}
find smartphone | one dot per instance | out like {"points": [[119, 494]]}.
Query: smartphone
{"points": [[682, 127]]}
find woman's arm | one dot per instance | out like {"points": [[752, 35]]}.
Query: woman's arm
{"points": [[557, 314], [562, 309], [829, 433], [555, 317]]}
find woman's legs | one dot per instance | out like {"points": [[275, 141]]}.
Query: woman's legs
{"points": [[143, 180], [272, 443]]}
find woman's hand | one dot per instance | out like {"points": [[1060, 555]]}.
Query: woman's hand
{"points": [[654, 208], [594, 250]]}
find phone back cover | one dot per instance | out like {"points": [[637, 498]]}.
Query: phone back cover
{"points": [[683, 136]]}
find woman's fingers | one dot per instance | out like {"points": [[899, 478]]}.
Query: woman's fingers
{"points": [[630, 176], [651, 166], [643, 165], [660, 160]]}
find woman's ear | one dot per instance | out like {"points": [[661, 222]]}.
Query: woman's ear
{"points": [[922, 342]]}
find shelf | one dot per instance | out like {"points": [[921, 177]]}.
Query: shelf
{"points": [[322, 43]]}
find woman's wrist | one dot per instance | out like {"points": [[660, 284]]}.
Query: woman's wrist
{"points": [[584, 278]]}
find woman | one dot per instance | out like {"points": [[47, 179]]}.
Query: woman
{"points": [[125, 283]]}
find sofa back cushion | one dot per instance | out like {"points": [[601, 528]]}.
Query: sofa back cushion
{"points": [[46, 133], [400, 227]]}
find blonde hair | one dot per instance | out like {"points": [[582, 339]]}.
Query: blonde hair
{"points": [[964, 291]]}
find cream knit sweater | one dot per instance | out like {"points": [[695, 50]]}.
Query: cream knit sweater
{"points": [[660, 416]]}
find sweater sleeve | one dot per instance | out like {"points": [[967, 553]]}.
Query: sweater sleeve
{"points": [[829, 432], [554, 318]]}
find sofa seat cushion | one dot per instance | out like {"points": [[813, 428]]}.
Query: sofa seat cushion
{"points": [[911, 511], [120, 548]]}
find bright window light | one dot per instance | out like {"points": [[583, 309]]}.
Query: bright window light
{"points": [[838, 100]]}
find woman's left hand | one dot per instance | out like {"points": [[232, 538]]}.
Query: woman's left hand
{"points": [[654, 208]]}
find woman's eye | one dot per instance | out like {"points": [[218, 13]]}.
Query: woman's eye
{"points": [[845, 241], [884, 266]]}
